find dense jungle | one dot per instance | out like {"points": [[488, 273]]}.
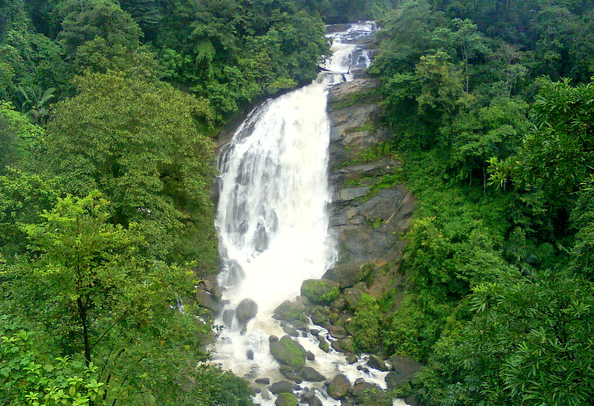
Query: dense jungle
{"points": [[109, 113]]}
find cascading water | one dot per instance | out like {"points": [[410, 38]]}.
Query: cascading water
{"points": [[272, 220]]}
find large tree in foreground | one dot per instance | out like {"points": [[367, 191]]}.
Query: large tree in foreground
{"points": [[139, 144]]}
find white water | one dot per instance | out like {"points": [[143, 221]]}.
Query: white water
{"points": [[272, 220]]}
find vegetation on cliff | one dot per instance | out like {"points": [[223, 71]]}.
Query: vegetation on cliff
{"points": [[490, 104]]}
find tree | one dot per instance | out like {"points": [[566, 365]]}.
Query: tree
{"points": [[140, 145], [529, 342], [107, 305]]}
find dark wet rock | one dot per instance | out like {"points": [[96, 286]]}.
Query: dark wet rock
{"points": [[392, 379], [290, 310], [370, 394], [206, 300], [300, 325], [315, 401], [362, 369], [351, 358], [323, 344], [311, 375], [319, 318], [404, 368], [345, 345], [282, 387], [272, 339], [250, 355], [339, 304], [376, 362], [263, 381], [310, 356], [290, 374], [338, 332], [290, 330], [412, 400], [228, 317], [314, 332], [310, 398], [288, 352], [339, 386], [246, 310], [348, 274], [320, 291], [286, 399], [353, 297]]}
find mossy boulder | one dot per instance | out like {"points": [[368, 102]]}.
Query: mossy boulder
{"points": [[288, 352], [290, 311], [366, 393], [320, 291], [286, 399], [339, 386]]}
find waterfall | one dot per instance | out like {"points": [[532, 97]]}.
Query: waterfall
{"points": [[272, 219]]}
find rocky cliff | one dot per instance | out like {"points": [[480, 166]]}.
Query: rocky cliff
{"points": [[370, 209]]}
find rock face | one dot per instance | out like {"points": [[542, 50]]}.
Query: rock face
{"points": [[370, 210]]}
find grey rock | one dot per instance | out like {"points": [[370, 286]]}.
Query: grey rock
{"points": [[311, 375], [310, 356], [246, 310], [263, 381], [282, 387], [228, 317], [339, 386], [376, 362]]}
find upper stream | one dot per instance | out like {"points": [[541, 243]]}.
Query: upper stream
{"points": [[273, 225]]}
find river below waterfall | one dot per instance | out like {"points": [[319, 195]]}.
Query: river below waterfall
{"points": [[272, 222]]}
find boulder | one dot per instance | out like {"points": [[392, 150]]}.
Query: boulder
{"points": [[320, 291], [366, 393], [310, 356], [338, 332], [250, 355], [315, 401], [348, 274], [272, 339], [376, 362], [263, 381], [339, 304], [405, 367], [345, 345], [290, 330], [282, 387], [392, 379], [228, 317], [290, 311], [286, 399], [339, 386], [311, 375], [323, 344], [206, 300], [353, 296], [288, 352], [290, 374], [246, 310]]}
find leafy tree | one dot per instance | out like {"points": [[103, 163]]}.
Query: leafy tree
{"points": [[107, 305], [140, 144], [29, 375], [527, 343]]}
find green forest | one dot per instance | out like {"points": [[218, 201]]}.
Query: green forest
{"points": [[108, 114]]}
